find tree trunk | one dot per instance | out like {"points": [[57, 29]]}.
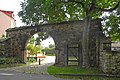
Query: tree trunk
{"points": [[85, 42]]}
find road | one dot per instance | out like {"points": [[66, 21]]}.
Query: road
{"points": [[29, 72], [23, 76]]}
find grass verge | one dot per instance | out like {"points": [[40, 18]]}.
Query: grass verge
{"points": [[54, 70], [72, 70]]}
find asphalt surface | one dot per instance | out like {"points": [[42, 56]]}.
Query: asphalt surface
{"points": [[23, 76], [30, 72]]}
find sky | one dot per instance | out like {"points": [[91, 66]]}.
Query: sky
{"points": [[14, 5]]}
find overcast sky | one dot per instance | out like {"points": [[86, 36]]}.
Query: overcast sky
{"points": [[12, 5]]}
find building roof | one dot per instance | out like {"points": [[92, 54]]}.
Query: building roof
{"points": [[8, 13]]}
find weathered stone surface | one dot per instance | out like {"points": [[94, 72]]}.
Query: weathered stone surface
{"points": [[2, 49], [64, 34], [5, 50], [110, 62]]}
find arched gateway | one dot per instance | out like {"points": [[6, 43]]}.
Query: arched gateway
{"points": [[67, 35]]}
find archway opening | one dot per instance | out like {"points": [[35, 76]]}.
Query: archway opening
{"points": [[40, 49]]}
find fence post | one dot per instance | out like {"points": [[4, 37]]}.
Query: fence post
{"points": [[39, 61]]}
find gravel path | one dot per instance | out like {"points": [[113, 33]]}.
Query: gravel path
{"points": [[35, 69], [32, 69]]}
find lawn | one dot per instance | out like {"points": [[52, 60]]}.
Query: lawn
{"points": [[72, 70], [50, 54], [56, 70]]}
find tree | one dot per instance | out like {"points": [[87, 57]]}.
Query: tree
{"points": [[34, 44], [32, 49], [41, 36], [112, 25], [52, 46], [31, 40], [37, 12]]}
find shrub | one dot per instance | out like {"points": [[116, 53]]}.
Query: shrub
{"points": [[31, 60], [2, 60], [9, 60]]}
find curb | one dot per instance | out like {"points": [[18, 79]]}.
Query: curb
{"points": [[90, 75]]}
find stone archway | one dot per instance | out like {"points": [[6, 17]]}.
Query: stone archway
{"points": [[45, 46], [63, 33]]}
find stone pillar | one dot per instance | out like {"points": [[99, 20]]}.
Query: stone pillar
{"points": [[56, 59], [25, 57], [61, 58]]}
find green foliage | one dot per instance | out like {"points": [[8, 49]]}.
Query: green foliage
{"points": [[112, 26], [31, 40], [46, 49], [50, 54], [34, 43], [33, 49], [35, 12], [59, 10], [41, 36], [31, 60], [51, 46], [9, 60]]}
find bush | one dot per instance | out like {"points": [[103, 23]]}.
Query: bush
{"points": [[9, 60], [2, 60], [31, 60], [49, 51]]}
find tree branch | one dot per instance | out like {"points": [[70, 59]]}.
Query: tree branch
{"points": [[92, 5], [109, 10]]}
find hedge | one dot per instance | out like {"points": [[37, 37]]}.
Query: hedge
{"points": [[9, 60]]}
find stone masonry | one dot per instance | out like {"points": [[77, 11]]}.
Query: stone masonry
{"points": [[63, 34]]}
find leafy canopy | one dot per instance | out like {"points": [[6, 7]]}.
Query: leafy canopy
{"points": [[34, 43], [33, 49], [35, 12]]}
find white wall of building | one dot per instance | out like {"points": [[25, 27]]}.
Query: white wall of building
{"points": [[5, 23]]}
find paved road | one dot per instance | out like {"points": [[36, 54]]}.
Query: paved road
{"points": [[23, 76], [29, 72]]}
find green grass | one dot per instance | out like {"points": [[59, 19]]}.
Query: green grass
{"points": [[72, 70], [10, 65], [53, 70], [50, 54]]}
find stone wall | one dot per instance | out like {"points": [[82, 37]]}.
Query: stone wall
{"points": [[2, 48], [63, 34], [110, 62], [5, 50]]}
